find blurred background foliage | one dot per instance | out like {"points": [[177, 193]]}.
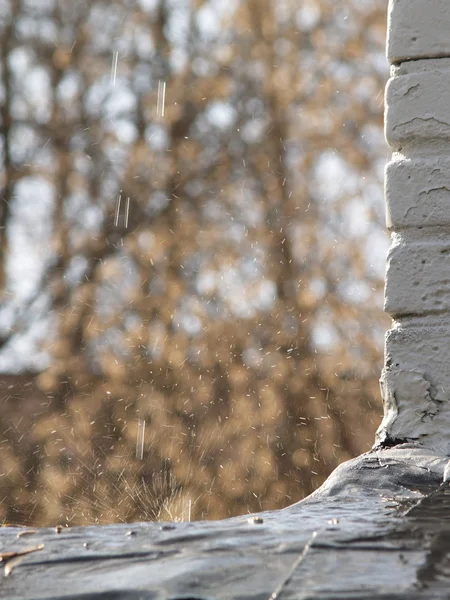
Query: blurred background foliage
{"points": [[192, 253]]}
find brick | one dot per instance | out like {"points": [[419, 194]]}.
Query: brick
{"points": [[418, 29], [418, 274], [418, 106], [415, 385], [417, 192]]}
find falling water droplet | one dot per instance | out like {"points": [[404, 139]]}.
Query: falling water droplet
{"points": [[140, 439], [115, 60], [161, 98], [116, 214], [127, 211]]}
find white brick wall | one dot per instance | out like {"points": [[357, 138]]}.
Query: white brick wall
{"points": [[416, 377]]}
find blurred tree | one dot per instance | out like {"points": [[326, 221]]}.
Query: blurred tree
{"points": [[192, 241]]}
